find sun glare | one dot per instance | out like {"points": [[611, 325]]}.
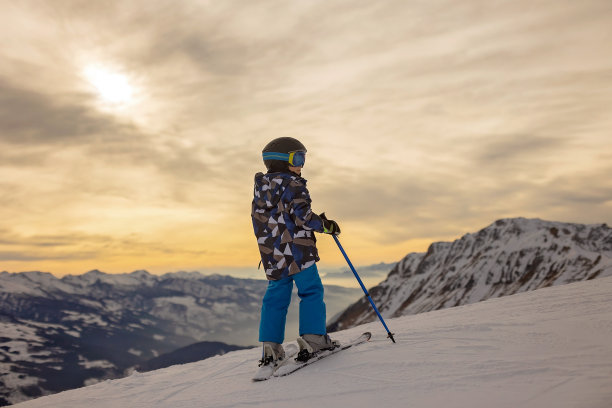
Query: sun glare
{"points": [[112, 87]]}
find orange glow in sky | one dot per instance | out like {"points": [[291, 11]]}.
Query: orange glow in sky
{"points": [[130, 132]]}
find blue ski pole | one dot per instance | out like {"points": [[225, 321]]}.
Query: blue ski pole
{"points": [[389, 334]]}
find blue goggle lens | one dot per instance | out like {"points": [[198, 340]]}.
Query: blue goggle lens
{"points": [[297, 159]]}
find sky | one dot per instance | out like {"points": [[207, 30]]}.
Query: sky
{"points": [[130, 132]]}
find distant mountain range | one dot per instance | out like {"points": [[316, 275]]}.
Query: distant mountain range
{"points": [[507, 257], [57, 334]]}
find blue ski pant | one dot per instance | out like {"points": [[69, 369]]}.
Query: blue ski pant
{"points": [[276, 303]]}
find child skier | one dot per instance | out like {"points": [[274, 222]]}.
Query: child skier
{"points": [[284, 225]]}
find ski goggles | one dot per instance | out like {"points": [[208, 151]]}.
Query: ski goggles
{"points": [[295, 159]]}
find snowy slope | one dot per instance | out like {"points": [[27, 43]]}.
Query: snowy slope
{"points": [[507, 257], [545, 348]]}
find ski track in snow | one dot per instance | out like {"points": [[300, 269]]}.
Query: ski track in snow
{"points": [[546, 348]]}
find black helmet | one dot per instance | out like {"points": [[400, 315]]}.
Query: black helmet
{"points": [[283, 145]]}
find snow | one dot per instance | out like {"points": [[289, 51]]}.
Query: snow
{"points": [[224, 307], [88, 364], [545, 348], [85, 318], [187, 301], [17, 283], [19, 345], [19, 331], [184, 275]]}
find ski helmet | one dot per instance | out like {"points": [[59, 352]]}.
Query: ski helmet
{"points": [[285, 146]]}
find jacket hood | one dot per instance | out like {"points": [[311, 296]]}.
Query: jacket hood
{"points": [[272, 185]]}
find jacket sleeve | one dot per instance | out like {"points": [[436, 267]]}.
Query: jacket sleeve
{"points": [[300, 208]]}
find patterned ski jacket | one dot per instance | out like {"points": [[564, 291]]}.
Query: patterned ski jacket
{"points": [[284, 224]]}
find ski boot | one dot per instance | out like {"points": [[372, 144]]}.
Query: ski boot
{"points": [[273, 353], [272, 357], [311, 344]]}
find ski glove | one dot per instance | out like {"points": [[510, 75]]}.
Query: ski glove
{"points": [[329, 226]]}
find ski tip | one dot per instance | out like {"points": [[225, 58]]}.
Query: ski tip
{"points": [[368, 335]]}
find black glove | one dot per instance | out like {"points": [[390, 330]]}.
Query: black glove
{"points": [[329, 226]]}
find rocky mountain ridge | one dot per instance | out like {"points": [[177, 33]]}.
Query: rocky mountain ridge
{"points": [[509, 256]]}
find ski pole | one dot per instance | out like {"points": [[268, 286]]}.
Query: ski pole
{"points": [[389, 334]]}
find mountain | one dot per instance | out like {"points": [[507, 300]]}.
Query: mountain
{"points": [[57, 334], [544, 348], [507, 257]]}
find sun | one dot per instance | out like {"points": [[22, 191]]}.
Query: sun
{"points": [[112, 87]]}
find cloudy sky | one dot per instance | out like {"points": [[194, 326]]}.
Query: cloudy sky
{"points": [[130, 131]]}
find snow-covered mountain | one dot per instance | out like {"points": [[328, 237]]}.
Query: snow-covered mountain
{"points": [[544, 348], [57, 334], [507, 257]]}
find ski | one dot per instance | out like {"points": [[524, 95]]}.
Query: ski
{"points": [[266, 371], [291, 367]]}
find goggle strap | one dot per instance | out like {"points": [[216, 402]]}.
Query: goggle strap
{"points": [[275, 156]]}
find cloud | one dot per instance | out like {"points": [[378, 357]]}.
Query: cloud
{"points": [[496, 149], [583, 195], [33, 118], [417, 129], [37, 256], [16, 247], [396, 207], [22, 156], [82, 246], [38, 131]]}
